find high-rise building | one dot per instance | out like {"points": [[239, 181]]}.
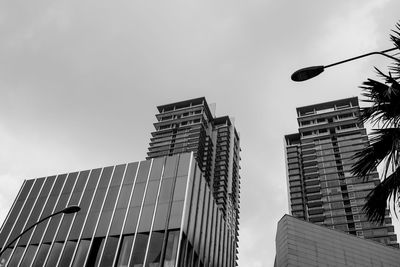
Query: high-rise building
{"points": [[191, 126], [319, 159], [164, 211], [304, 244]]}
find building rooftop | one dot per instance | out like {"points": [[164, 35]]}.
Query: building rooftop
{"points": [[326, 105]]}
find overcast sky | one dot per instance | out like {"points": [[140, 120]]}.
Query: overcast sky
{"points": [[80, 82]]}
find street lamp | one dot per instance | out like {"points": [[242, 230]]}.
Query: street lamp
{"points": [[67, 210], [310, 72]]}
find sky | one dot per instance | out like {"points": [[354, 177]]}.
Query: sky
{"points": [[80, 82]]}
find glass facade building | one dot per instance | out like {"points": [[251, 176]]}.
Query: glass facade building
{"points": [[319, 159], [157, 212]]}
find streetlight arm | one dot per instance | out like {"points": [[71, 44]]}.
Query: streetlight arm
{"points": [[68, 210], [27, 229], [310, 72], [366, 55]]}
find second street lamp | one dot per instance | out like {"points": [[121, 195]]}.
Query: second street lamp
{"points": [[310, 72]]}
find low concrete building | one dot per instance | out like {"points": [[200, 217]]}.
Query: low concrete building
{"points": [[301, 243]]}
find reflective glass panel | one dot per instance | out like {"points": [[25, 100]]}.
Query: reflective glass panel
{"points": [[81, 253], [161, 217], [204, 224], [170, 166], [30, 253], [166, 190], [125, 250], [143, 171], [131, 220], [16, 257], [98, 199], [137, 196], [189, 200], [124, 196], [183, 166], [146, 218], [130, 173], [95, 251], [61, 204], [139, 250], [5, 256], [156, 169], [155, 248], [180, 188], [176, 215], [66, 257], [36, 210], [117, 222], [74, 200], [41, 256], [109, 251], [54, 254], [23, 217], [172, 248], [15, 211], [151, 192], [199, 216]]}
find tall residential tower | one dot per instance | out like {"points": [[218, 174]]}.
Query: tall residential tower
{"points": [[191, 126], [319, 158]]}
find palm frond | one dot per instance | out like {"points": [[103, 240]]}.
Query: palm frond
{"points": [[384, 111], [385, 101], [384, 144], [378, 198]]}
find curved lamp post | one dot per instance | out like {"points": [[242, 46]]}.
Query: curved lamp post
{"points": [[310, 72], [67, 210]]}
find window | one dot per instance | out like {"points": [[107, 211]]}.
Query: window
{"points": [[41, 256], [125, 250], [163, 127], [344, 116], [30, 253], [166, 118], [297, 201], [109, 251], [295, 183], [155, 248], [139, 250], [54, 254], [66, 257], [95, 251], [81, 253]]}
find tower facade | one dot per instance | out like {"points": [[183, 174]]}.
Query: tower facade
{"points": [[190, 126], [319, 159]]}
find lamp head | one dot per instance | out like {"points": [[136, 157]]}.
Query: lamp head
{"points": [[306, 73], [71, 209]]}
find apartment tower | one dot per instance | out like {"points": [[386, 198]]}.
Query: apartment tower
{"points": [[190, 126], [319, 158]]}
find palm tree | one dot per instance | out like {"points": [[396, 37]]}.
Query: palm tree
{"points": [[384, 147]]}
